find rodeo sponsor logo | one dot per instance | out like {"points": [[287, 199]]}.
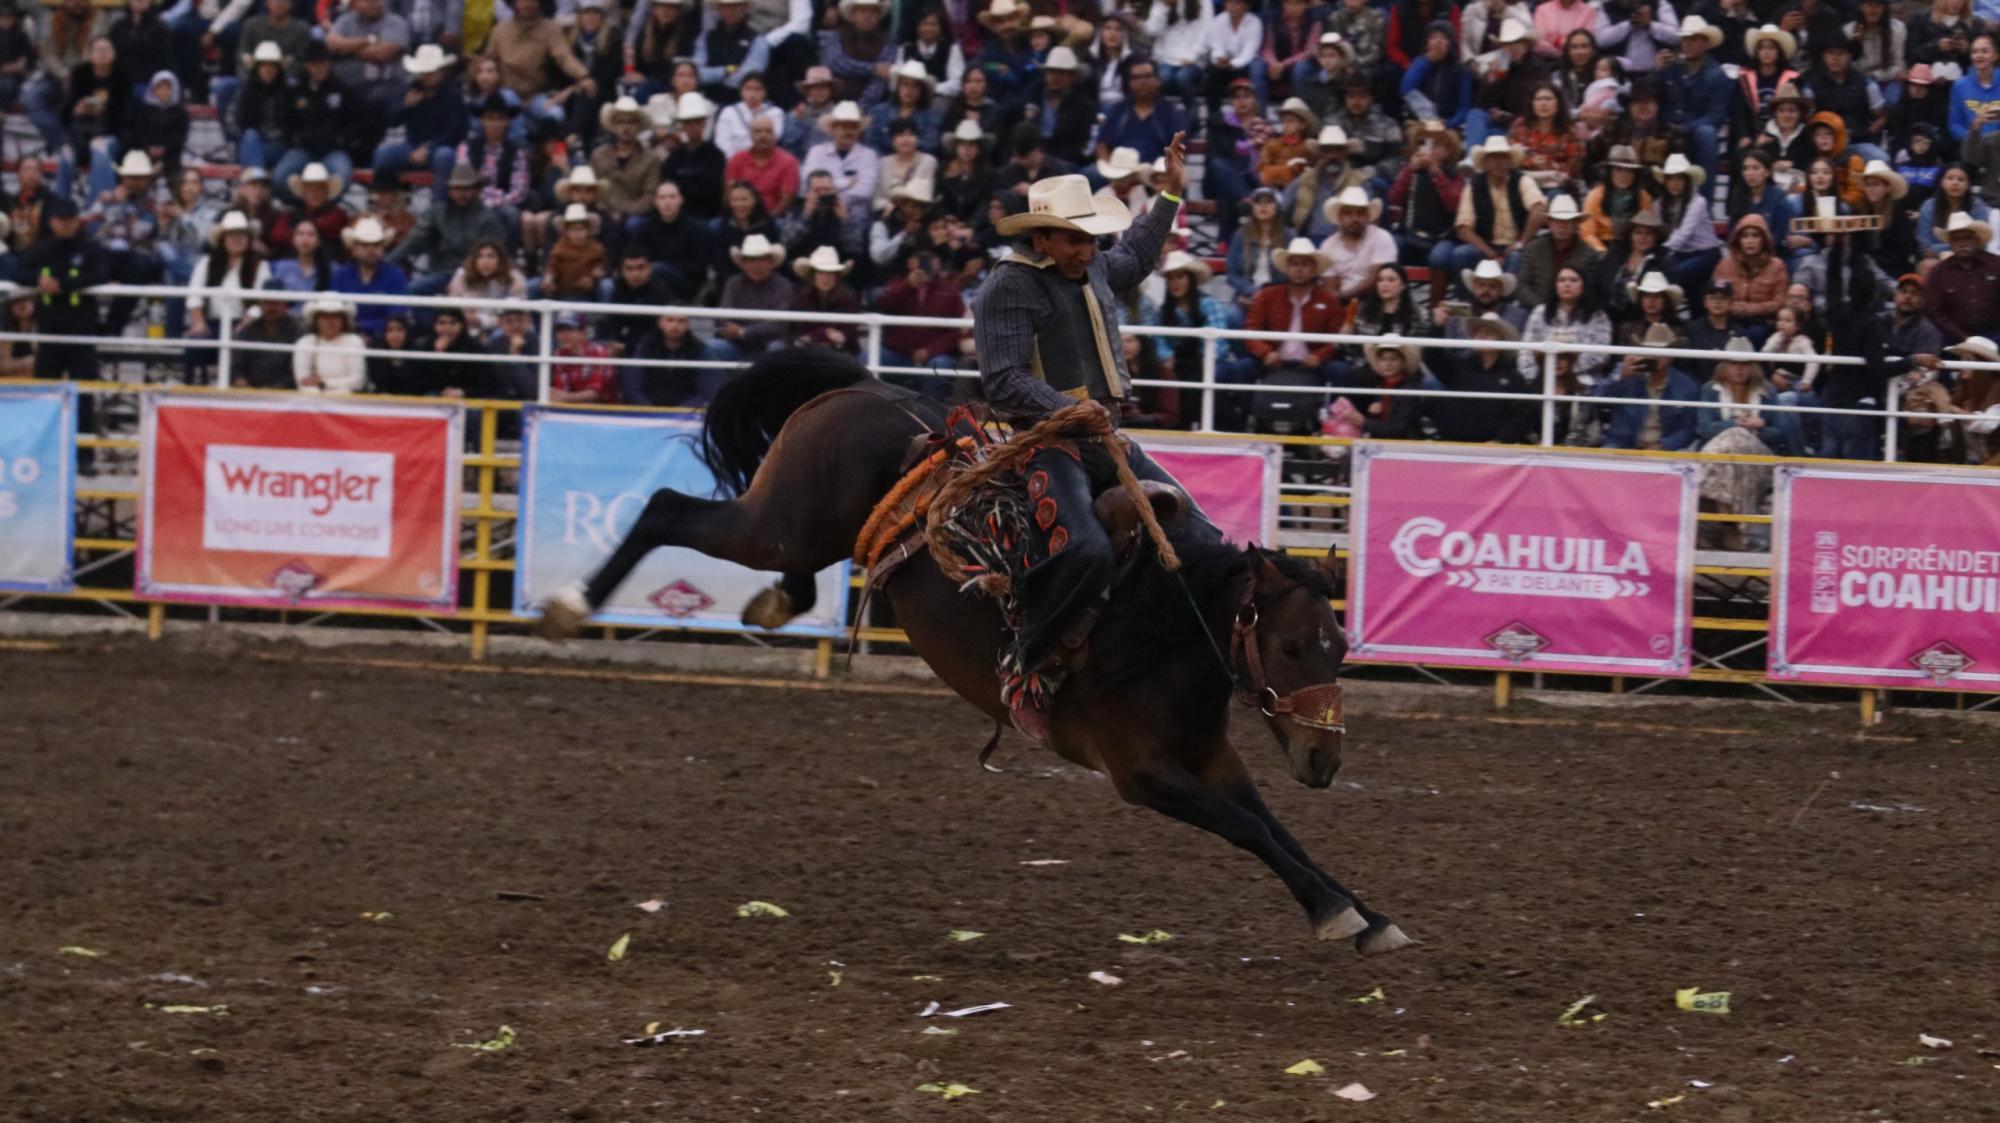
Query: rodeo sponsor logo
{"points": [[1536, 565], [1942, 662], [294, 579], [298, 501], [1517, 641], [680, 600]]}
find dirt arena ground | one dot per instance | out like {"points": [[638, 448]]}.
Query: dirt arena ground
{"points": [[215, 826]]}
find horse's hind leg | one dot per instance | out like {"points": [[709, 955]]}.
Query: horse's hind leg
{"points": [[793, 594]]}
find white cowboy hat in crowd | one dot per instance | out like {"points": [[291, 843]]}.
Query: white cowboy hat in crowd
{"points": [[1353, 197], [233, 222], [1511, 31], [660, 110], [1695, 27], [429, 59], [969, 132], [316, 172], [576, 214], [1678, 164], [1181, 261], [1623, 156], [1496, 145], [1065, 202], [1490, 270], [267, 51], [1413, 355], [915, 72], [693, 107], [847, 6], [609, 114], [1655, 282], [916, 190], [1003, 12], [1978, 348], [1562, 208], [1496, 323], [366, 231], [1297, 107], [845, 113], [1332, 136], [757, 245], [328, 306], [1659, 335], [136, 165], [1061, 58], [1302, 247], [1788, 44], [1877, 169], [825, 259], [1963, 221], [583, 175], [1122, 163], [1339, 42]]}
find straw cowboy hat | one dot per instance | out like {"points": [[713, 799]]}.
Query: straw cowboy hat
{"points": [[1789, 92], [583, 175], [1355, 196], [1647, 216], [1122, 162], [1331, 136], [1788, 44], [916, 190], [429, 59], [1490, 270], [1511, 31], [1655, 282], [1413, 355], [329, 306], [1623, 156], [1339, 42], [267, 51], [626, 106], [1659, 335], [465, 175], [693, 107], [1065, 202], [915, 72], [1738, 345], [1695, 27], [757, 245], [1181, 261], [316, 173], [1496, 145], [969, 132], [1978, 348], [366, 231], [845, 113], [234, 222], [1677, 164], [825, 259], [576, 214], [1302, 247], [1562, 208], [1060, 58], [1003, 13], [815, 76], [1962, 221], [136, 165], [1297, 107], [1495, 322], [1877, 169]]}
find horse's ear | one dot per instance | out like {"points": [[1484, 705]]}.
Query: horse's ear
{"points": [[1267, 578], [1330, 564]]}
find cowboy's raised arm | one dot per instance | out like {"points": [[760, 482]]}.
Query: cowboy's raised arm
{"points": [[1138, 252], [1003, 330]]}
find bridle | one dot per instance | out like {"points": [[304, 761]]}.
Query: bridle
{"points": [[1315, 707]]}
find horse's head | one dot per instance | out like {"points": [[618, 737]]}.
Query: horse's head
{"points": [[1286, 648]]}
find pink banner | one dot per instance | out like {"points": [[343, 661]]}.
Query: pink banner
{"points": [[1547, 563], [1235, 484], [1886, 578]]}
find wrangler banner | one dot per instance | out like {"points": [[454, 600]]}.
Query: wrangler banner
{"points": [[299, 501], [585, 478], [1523, 560], [37, 487], [1886, 577]]}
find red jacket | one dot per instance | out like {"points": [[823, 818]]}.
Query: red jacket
{"points": [[1271, 310]]}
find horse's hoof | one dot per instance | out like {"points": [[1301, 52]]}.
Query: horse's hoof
{"points": [[563, 616], [770, 609], [1381, 941], [1341, 925]]}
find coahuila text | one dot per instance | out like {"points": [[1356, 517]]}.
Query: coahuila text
{"points": [[1423, 547]]}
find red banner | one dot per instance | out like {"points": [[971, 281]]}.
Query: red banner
{"points": [[306, 501]]}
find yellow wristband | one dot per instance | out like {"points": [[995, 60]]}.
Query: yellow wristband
{"points": [[1170, 197]]}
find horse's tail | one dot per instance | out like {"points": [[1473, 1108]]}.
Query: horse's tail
{"points": [[750, 408]]}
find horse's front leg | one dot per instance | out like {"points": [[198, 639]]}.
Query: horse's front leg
{"points": [[1229, 774], [1171, 789]]}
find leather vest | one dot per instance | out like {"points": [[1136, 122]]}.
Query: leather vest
{"points": [[1076, 349]]}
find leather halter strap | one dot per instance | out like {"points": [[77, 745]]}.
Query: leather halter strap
{"points": [[1315, 707]]}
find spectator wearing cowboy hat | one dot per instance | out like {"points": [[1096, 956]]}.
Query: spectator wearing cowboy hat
{"points": [[1062, 106], [328, 359], [1287, 154], [933, 45], [901, 228], [1962, 293], [1489, 291], [909, 100], [757, 287], [447, 231], [1656, 301], [825, 290], [859, 51], [1642, 126], [1499, 212], [577, 260], [497, 157], [1893, 245], [1698, 92], [369, 275], [321, 120], [432, 114], [1186, 304], [318, 192], [1976, 396], [1485, 370], [1692, 247], [1318, 81], [1508, 78], [1357, 244], [627, 170], [1298, 305], [263, 122], [1651, 385], [1326, 174], [694, 161], [1560, 244], [853, 165], [965, 183], [1770, 50], [1615, 199], [1390, 364], [232, 263]]}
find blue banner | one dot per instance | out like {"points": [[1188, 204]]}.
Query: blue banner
{"points": [[37, 488], [586, 476]]}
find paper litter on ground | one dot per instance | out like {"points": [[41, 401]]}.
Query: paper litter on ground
{"points": [[619, 947], [964, 935], [760, 908], [1696, 1000], [663, 1037], [1154, 937], [1357, 1091], [1307, 1067], [1105, 977], [950, 1091]]}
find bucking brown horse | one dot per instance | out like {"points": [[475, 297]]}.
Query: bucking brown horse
{"points": [[806, 442]]}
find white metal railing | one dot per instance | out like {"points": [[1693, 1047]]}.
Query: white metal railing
{"points": [[872, 325]]}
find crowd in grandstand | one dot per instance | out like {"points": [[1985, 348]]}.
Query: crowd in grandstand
{"points": [[1781, 179]]}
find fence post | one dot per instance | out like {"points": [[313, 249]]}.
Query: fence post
{"points": [[873, 348], [547, 348], [223, 330], [1209, 346], [1548, 399], [1890, 433]]}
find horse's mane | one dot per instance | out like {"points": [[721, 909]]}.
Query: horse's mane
{"points": [[750, 408]]}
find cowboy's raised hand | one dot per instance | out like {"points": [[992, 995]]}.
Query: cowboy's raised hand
{"points": [[1174, 180]]}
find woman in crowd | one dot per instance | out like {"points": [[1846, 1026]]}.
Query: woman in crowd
{"points": [[1753, 191], [902, 162], [967, 180], [329, 359], [1553, 144], [231, 263], [1754, 271], [743, 214], [1186, 304], [1943, 33], [441, 365], [732, 122], [656, 41], [1257, 238], [17, 359], [1802, 250], [1692, 246], [488, 273], [1771, 50], [398, 372], [1880, 41], [1571, 317], [310, 266], [1954, 194], [1628, 260], [910, 101], [973, 102], [1181, 50], [1658, 303], [1438, 85], [1388, 307], [933, 46], [1893, 245], [825, 290], [1614, 200], [1576, 69]]}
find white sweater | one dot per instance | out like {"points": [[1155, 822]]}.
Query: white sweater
{"points": [[338, 362]]}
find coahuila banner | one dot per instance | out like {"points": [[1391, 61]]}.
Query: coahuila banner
{"points": [[1886, 577], [1550, 563], [37, 487], [1236, 485], [300, 500], [586, 476]]}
